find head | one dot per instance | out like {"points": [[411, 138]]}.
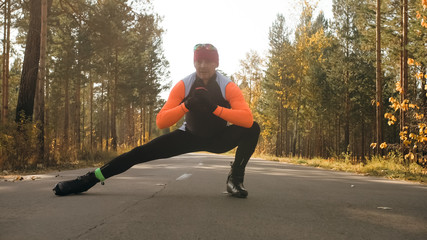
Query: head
{"points": [[206, 60]]}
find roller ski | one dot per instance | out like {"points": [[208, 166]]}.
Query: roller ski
{"points": [[76, 186], [235, 186]]}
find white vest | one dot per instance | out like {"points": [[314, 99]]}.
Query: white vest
{"points": [[222, 81]]}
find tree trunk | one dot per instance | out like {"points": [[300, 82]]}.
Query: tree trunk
{"points": [[47, 133], [129, 125], [114, 103], [107, 119], [279, 131], [363, 153], [379, 102], [347, 113], [338, 151], [423, 91], [282, 130], [296, 137], [141, 122], [404, 66], [27, 88], [150, 121], [77, 134], [66, 115], [101, 124], [83, 121], [39, 107], [6, 50], [107, 128], [91, 113], [144, 115], [286, 133]]}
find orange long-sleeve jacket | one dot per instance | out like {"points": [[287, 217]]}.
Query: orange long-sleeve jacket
{"points": [[174, 108]]}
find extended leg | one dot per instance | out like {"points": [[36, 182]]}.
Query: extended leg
{"points": [[168, 145]]}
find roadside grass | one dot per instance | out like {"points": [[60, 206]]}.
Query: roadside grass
{"points": [[87, 160], [390, 167]]}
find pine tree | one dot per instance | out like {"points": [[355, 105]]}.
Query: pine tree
{"points": [[24, 109], [277, 86]]}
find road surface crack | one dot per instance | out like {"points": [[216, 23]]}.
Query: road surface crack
{"points": [[103, 221], [157, 192]]}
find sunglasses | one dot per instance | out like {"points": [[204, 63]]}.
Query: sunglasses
{"points": [[206, 46]]}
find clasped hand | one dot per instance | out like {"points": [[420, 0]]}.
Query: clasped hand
{"points": [[200, 101]]}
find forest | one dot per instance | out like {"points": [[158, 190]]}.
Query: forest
{"points": [[89, 81], [351, 87]]}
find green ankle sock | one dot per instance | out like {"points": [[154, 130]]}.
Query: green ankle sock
{"points": [[98, 174]]}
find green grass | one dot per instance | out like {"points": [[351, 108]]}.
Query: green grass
{"points": [[86, 160], [389, 167]]}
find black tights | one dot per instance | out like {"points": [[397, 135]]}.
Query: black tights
{"points": [[179, 142]]}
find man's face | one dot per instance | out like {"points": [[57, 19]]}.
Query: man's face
{"points": [[205, 69]]}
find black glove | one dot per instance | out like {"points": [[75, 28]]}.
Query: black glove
{"points": [[191, 103], [201, 95]]}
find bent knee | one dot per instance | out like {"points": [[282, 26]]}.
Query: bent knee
{"points": [[255, 129]]}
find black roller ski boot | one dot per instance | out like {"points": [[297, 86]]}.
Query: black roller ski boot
{"points": [[78, 185], [235, 184]]}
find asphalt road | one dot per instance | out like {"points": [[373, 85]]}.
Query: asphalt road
{"points": [[183, 198]]}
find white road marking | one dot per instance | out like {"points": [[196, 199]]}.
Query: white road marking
{"points": [[184, 176]]}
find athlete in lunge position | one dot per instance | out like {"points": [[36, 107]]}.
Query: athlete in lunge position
{"points": [[209, 102]]}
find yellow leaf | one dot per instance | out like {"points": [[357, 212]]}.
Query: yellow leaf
{"points": [[383, 145], [414, 106], [406, 142], [390, 116], [410, 156], [395, 106], [419, 116], [404, 106], [399, 87]]}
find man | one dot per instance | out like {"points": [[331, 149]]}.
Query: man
{"points": [[209, 102]]}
